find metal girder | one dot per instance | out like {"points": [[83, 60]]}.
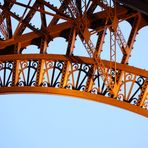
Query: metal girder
{"points": [[76, 94], [23, 80], [137, 5], [26, 39], [79, 59], [106, 81]]}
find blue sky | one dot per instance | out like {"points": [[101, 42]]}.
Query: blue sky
{"points": [[35, 121], [29, 121]]}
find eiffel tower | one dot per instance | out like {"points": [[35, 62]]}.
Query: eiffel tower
{"points": [[99, 72]]}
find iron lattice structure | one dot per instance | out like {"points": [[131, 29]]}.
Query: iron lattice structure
{"points": [[92, 77]]}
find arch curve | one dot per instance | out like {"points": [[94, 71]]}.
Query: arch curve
{"points": [[27, 76], [103, 75], [57, 46], [30, 49]]}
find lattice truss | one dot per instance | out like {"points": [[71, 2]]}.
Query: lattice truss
{"points": [[99, 70]]}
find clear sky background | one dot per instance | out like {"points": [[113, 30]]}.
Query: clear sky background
{"points": [[49, 121]]}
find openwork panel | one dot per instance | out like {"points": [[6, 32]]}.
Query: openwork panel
{"points": [[99, 86], [130, 88], [27, 71], [46, 72], [6, 73], [78, 75], [52, 72]]}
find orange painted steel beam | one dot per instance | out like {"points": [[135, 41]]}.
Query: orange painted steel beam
{"points": [[106, 81], [77, 94], [77, 59], [18, 69]]}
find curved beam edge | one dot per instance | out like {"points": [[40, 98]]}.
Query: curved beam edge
{"points": [[77, 94]]}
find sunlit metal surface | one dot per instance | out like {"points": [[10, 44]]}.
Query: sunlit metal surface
{"points": [[91, 76]]}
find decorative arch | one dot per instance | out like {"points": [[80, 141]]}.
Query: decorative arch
{"points": [[57, 46], [38, 52], [30, 49]]}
